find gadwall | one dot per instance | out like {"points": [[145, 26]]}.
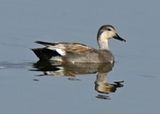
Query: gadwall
{"points": [[65, 52]]}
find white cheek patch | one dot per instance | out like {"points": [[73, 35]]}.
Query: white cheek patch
{"points": [[61, 52], [107, 34], [104, 35]]}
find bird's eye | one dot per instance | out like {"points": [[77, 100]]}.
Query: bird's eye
{"points": [[108, 29]]}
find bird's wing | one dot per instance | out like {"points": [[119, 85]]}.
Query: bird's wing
{"points": [[64, 47]]}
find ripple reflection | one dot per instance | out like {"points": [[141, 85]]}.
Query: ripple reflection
{"points": [[102, 86]]}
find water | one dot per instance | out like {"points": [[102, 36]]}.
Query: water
{"points": [[23, 90]]}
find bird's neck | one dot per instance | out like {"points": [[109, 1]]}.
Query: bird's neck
{"points": [[103, 43]]}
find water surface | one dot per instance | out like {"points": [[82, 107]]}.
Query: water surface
{"points": [[137, 61]]}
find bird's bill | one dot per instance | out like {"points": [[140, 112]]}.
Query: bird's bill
{"points": [[119, 38]]}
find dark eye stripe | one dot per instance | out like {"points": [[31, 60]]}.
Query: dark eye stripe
{"points": [[108, 29]]}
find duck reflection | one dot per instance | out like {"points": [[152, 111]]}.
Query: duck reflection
{"points": [[102, 86]]}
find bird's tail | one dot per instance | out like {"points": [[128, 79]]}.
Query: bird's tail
{"points": [[44, 54], [44, 43]]}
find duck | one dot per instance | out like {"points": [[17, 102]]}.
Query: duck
{"points": [[71, 52]]}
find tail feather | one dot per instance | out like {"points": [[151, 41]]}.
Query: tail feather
{"points": [[44, 54], [44, 43]]}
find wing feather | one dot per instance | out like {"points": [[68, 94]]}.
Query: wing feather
{"points": [[65, 47]]}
